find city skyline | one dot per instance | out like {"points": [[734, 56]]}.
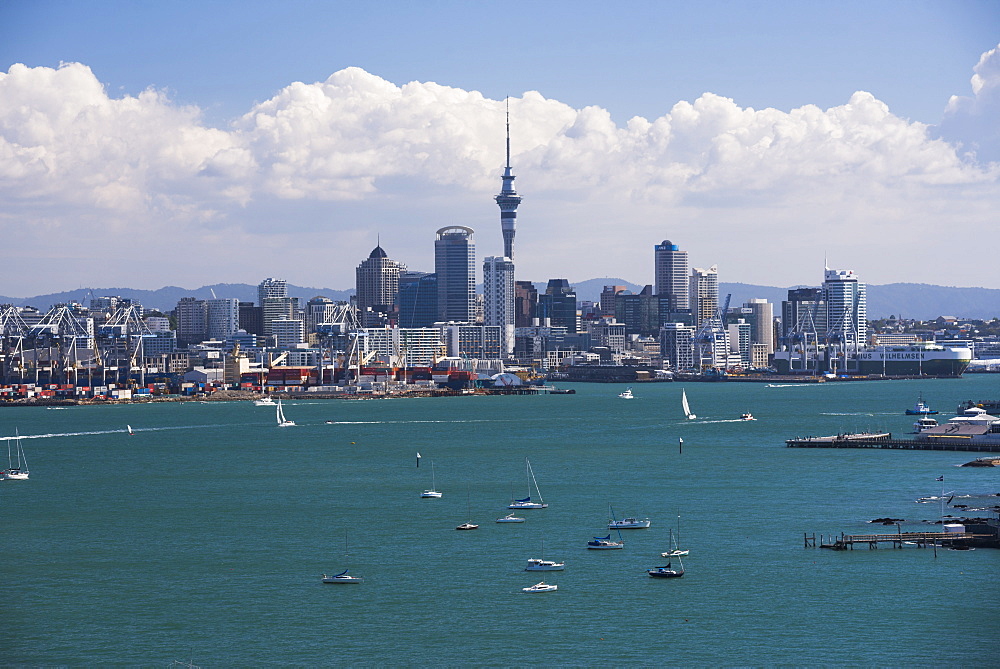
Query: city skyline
{"points": [[114, 148]]}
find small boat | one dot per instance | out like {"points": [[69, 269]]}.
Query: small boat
{"points": [[265, 401], [433, 492], [747, 416], [343, 577], [526, 503], [666, 571], [541, 564], [626, 395], [675, 551], [282, 421], [629, 523], [468, 525], [685, 406], [541, 587], [130, 431], [604, 544], [20, 472], [924, 423], [920, 408], [510, 518]]}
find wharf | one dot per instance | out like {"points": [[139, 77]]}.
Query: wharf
{"points": [[885, 440], [918, 539]]}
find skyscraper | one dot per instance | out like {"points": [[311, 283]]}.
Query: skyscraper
{"points": [[455, 266], [846, 307], [670, 274], [558, 305], [704, 293], [272, 296], [507, 200], [377, 288], [498, 299], [417, 299]]}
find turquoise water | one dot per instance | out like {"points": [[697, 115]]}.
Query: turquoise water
{"points": [[203, 536]]}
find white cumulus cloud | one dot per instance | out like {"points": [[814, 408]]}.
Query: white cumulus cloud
{"points": [[973, 121]]}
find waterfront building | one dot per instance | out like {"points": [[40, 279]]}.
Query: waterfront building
{"points": [[525, 303], [558, 305], [418, 296], [159, 343], [671, 275], [608, 333], [455, 267], [479, 342], [677, 345], [378, 288], [703, 294], [508, 200], [740, 335], [532, 342], [410, 347], [498, 299], [223, 317], [639, 313], [760, 314]]}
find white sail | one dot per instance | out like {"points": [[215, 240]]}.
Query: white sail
{"points": [[685, 406]]}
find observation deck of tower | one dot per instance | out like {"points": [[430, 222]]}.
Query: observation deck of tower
{"points": [[507, 200]]}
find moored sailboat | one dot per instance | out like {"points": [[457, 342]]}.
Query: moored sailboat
{"points": [[20, 472], [526, 503], [433, 492], [343, 577]]}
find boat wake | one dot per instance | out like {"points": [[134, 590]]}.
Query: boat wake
{"points": [[118, 431], [789, 385], [404, 422]]}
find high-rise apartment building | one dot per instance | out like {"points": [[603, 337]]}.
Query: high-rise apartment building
{"points": [[507, 200], [223, 317], [704, 293], [608, 297], [192, 321], [671, 275], [846, 307], [498, 299], [455, 266], [272, 296], [378, 288], [761, 317]]}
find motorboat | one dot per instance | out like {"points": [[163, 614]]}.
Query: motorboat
{"points": [[626, 394], [920, 408], [538, 564], [628, 524], [747, 416], [526, 503], [265, 401], [604, 544], [343, 577], [924, 423], [541, 587], [467, 526], [510, 518]]}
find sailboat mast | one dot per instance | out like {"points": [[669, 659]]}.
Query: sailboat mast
{"points": [[533, 481]]}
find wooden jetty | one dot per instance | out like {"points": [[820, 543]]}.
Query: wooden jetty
{"points": [[918, 539], [886, 440]]}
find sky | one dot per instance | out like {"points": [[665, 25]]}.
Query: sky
{"points": [[193, 143]]}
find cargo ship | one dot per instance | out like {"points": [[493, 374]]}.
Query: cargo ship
{"points": [[920, 359]]}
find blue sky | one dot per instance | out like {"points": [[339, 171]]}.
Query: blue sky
{"points": [[217, 60]]}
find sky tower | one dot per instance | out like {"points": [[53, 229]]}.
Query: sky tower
{"points": [[507, 200]]}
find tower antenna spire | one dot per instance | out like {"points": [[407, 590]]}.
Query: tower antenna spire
{"points": [[508, 199], [508, 132]]}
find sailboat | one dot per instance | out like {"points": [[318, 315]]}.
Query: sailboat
{"points": [[282, 421], [433, 491], [526, 503], [19, 473], [667, 571], [685, 406], [130, 431], [675, 550], [343, 577], [605, 543], [541, 564], [468, 525]]}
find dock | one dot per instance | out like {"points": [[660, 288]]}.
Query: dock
{"points": [[918, 539], [886, 440]]}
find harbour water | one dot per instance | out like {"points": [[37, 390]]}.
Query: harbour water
{"points": [[203, 537]]}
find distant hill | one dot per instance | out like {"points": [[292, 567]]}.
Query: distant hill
{"points": [[907, 300]]}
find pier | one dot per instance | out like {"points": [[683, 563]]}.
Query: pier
{"points": [[918, 539], [886, 440]]}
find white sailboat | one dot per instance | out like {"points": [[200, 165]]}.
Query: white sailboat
{"points": [[541, 564], [343, 577], [282, 421], [526, 503], [130, 430], [433, 492], [468, 525], [685, 406], [675, 550], [19, 473]]}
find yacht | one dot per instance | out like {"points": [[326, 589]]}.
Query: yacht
{"points": [[541, 587], [538, 564], [510, 518], [265, 401], [604, 544], [342, 577], [626, 394], [628, 524], [747, 416]]}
